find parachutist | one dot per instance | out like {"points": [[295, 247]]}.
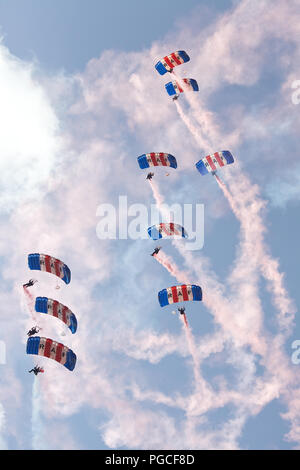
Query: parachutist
{"points": [[33, 331], [47, 347], [30, 283], [36, 370], [181, 293], [175, 97], [149, 176], [181, 310], [156, 251]]}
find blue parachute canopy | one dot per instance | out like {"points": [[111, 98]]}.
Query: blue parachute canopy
{"points": [[164, 230], [156, 159], [181, 293], [174, 88], [58, 310], [167, 63], [49, 264], [212, 163], [48, 348]]}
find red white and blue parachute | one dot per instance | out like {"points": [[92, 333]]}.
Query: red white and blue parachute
{"points": [[164, 230], [213, 162], [50, 265], [182, 293], [167, 63], [48, 348], [58, 310], [174, 88], [156, 159]]}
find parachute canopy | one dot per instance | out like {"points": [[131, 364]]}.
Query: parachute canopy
{"points": [[215, 161], [156, 159], [180, 293], [174, 88], [50, 265], [166, 230], [49, 348], [167, 63], [58, 310]]}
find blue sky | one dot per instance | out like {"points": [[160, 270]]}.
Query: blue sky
{"points": [[80, 101], [68, 34]]}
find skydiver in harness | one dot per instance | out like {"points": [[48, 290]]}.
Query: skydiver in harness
{"points": [[156, 251], [33, 331], [36, 370], [30, 283], [149, 176], [181, 310]]}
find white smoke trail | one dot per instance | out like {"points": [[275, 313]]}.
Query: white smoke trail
{"points": [[242, 197], [168, 264], [30, 302], [36, 421], [3, 445], [200, 139], [220, 307], [181, 277], [255, 259], [159, 200], [264, 389], [247, 206], [206, 132], [202, 132]]}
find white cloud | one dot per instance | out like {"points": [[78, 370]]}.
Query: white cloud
{"points": [[30, 143]]}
